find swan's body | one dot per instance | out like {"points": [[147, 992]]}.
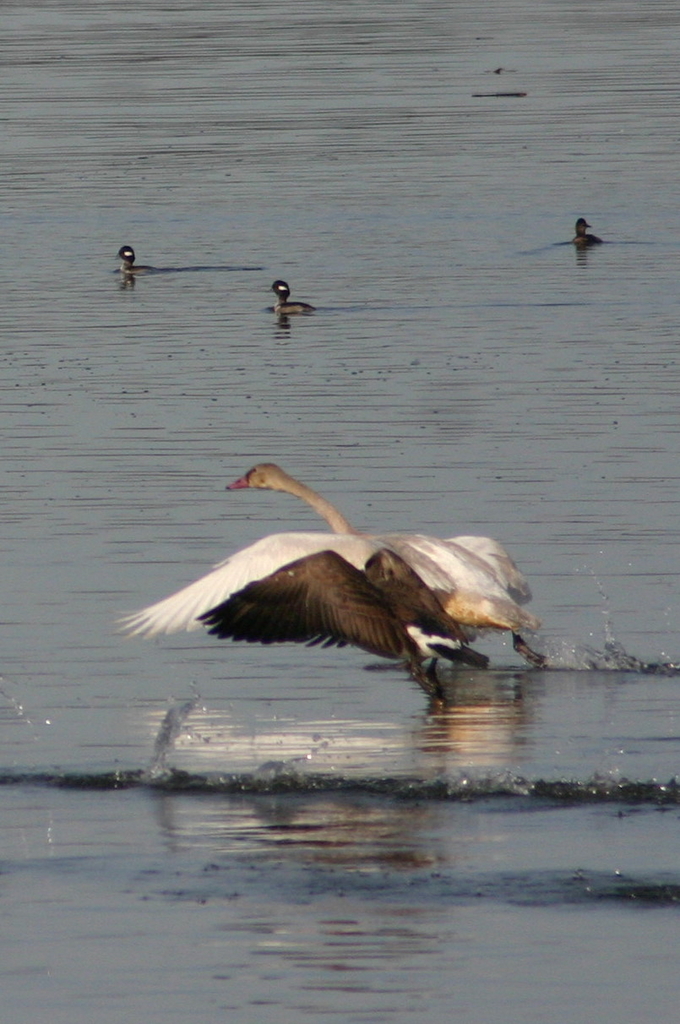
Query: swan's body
{"points": [[341, 589], [472, 581], [582, 238], [480, 585], [383, 608]]}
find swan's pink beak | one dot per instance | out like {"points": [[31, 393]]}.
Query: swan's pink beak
{"points": [[237, 484]]}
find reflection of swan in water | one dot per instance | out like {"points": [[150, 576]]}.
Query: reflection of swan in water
{"points": [[485, 723], [337, 830], [481, 725], [394, 595]]}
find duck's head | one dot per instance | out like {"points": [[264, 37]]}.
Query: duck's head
{"points": [[281, 289]]}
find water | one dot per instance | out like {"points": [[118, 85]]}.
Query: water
{"points": [[272, 834]]}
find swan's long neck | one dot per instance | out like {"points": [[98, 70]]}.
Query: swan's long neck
{"points": [[272, 478], [330, 513]]}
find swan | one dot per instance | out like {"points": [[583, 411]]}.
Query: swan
{"points": [[341, 589], [479, 584], [322, 598], [472, 581]]}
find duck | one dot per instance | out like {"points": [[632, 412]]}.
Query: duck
{"points": [[127, 254], [471, 580], [582, 238], [283, 307]]}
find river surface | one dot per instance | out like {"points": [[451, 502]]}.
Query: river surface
{"points": [[201, 830]]}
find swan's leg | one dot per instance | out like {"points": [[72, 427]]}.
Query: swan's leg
{"points": [[522, 647], [427, 678]]}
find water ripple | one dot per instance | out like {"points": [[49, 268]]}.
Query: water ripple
{"points": [[281, 779]]}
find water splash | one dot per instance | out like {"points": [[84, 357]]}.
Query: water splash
{"points": [[170, 728], [565, 653], [16, 706]]}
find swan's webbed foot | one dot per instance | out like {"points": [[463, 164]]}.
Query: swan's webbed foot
{"points": [[522, 647]]}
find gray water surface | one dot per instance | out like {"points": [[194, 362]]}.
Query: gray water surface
{"points": [[323, 843]]}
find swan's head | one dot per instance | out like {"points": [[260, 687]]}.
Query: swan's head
{"points": [[266, 475]]}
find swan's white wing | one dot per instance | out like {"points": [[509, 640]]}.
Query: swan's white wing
{"points": [[500, 562], [445, 565], [477, 593], [180, 611]]}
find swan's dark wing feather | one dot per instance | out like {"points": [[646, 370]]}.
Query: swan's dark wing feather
{"points": [[318, 599], [411, 599]]}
